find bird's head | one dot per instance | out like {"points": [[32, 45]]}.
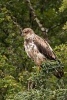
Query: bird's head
{"points": [[26, 32]]}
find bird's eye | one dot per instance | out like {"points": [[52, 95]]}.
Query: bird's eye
{"points": [[25, 31]]}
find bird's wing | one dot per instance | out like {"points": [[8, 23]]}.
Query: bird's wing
{"points": [[44, 47]]}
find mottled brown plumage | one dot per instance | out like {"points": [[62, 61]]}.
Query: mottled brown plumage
{"points": [[36, 47]]}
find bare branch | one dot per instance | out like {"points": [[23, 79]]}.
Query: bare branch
{"points": [[44, 30], [16, 23]]}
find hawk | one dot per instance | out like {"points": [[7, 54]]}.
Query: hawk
{"points": [[38, 49]]}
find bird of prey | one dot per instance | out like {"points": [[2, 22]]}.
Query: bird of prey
{"points": [[38, 49]]}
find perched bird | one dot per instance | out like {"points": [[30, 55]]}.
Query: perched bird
{"points": [[38, 49]]}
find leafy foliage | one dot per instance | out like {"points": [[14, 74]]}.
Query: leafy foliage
{"points": [[42, 95], [47, 86], [61, 52], [16, 69], [64, 6]]}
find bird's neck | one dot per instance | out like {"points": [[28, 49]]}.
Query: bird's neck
{"points": [[29, 37]]}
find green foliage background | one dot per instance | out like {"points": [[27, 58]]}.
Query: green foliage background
{"points": [[15, 67]]}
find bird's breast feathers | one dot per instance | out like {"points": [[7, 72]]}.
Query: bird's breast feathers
{"points": [[33, 52], [37, 48]]}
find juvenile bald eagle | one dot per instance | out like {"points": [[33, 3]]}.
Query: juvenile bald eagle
{"points": [[38, 49]]}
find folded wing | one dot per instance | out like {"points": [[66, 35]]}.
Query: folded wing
{"points": [[44, 48]]}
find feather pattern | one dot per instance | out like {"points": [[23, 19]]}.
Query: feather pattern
{"points": [[39, 49], [44, 48]]}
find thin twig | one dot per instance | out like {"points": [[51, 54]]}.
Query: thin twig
{"points": [[16, 23]]}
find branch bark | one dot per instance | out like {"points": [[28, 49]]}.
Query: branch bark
{"points": [[16, 23], [44, 30]]}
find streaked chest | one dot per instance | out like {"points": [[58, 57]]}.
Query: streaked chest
{"points": [[29, 45]]}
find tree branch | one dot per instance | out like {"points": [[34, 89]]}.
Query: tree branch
{"points": [[44, 30], [16, 23]]}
